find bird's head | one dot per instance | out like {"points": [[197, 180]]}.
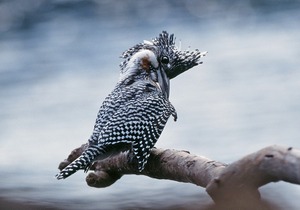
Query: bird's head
{"points": [[159, 60]]}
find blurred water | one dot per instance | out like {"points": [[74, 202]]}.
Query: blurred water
{"points": [[60, 59]]}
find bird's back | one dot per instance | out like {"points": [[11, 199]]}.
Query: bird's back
{"points": [[135, 114]]}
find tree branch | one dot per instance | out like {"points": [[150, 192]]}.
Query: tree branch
{"points": [[228, 185], [241, 179]]}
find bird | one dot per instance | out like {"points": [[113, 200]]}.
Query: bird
{"points": [[135, 113]]}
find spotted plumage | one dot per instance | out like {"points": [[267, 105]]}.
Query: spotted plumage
{"points": [[134, 114]]}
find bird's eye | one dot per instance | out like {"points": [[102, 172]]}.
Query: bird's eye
{"points": [[165, 60]]}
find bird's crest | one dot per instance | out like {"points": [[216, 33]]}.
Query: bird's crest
{"points": [[164, 42], [173, 59]]}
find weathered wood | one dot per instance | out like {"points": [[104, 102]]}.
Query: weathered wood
{"points": [[234, 186]]}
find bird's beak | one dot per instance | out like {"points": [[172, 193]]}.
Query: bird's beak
{"points": [[163, 82]]}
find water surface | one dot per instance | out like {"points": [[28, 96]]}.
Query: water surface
{"points": [[59, 61]]}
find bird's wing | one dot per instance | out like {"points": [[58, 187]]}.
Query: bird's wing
{"points": [[138, 122]]}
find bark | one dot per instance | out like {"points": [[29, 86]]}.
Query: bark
{"points": [[234, 186]]}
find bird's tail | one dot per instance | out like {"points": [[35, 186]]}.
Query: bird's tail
{"points": [[82, 162]]}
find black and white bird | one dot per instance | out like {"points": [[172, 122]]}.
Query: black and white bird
{"points": [[134, 114]]}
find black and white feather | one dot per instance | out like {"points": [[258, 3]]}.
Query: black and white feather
{"points": [[136, 111]]}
